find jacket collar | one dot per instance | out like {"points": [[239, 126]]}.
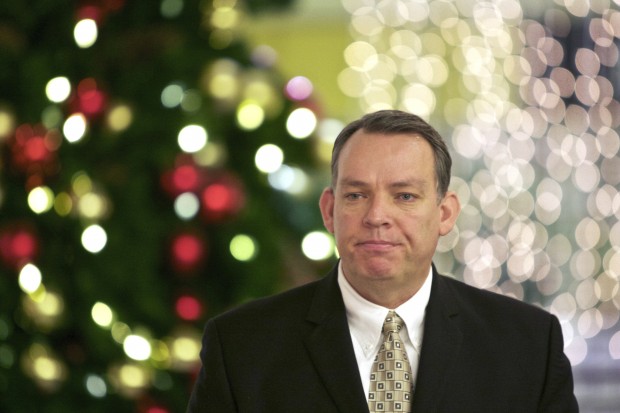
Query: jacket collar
{"points": [[329, 344], [440, 345]]}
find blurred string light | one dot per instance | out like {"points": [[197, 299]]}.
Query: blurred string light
{"points": [[44, 366], [75, 127], [192, 138], [243, 247], [326, 132], [301, 123], [250, 115], [534, 129], [58, 89], [7, 122], [184, 346], [318, 245], [63, 204], [102, 315], [268, 158], [119, 117], [290, 179], [96, 386], [30, 278], [41, 199], [52, 117], [213, 155], [137, 347], [222, 79], [299, 88], [85, 33], [130, 378], [186, 206], [171, 8], [176, 95], [44, 307], [94, 238], [224, 18], [172, 95]]}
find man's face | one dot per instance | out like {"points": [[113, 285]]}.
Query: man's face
{"points": [[384, 212]]}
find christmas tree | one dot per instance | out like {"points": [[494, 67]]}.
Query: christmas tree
{"points": [[154, 173]]}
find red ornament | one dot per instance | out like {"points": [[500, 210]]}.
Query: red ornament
{"points": [[186, 176], [156, 409], [183, 178], [188, 308], [98, 10], [34, 150], [89, 99], [18, 246], [223, 198], [92, 100], [188, 252], [90, 12], [147, 404]]}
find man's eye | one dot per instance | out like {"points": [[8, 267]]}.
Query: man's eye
{"points": [[353, 196], [407, 197]]}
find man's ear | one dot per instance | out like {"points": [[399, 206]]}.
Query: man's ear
{"points": [[449, 208], [326, 204]]}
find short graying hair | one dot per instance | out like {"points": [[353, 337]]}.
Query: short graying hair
{"points": [[392, 122]]}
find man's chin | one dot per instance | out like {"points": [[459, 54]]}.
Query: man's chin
{"points": [[371, 266], [380, 270]]}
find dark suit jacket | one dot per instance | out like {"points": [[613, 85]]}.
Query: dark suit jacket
{"points": [[292, 352]]}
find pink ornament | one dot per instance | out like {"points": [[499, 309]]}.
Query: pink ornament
{"points": [[18, 246]]}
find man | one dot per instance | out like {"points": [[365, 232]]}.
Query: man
{"points": [[318, 348]]}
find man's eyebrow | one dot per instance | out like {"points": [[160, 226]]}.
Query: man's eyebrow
{"points": [[405, 183], [353, 182]]}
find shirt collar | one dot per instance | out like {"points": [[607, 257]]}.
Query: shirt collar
{"points": [[366, 318]]}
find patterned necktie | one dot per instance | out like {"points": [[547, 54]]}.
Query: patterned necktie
{"points": [[391, 384]]}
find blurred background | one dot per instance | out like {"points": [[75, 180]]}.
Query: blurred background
{"points": [[161, 162]]}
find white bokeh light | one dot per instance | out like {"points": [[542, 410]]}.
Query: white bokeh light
{"points": [[85, 33], [58, 89], [94, 239], [318, 245], [30, 278], [192, 138], [269, 158], [301, 123], [186, 206], [137, 347]]}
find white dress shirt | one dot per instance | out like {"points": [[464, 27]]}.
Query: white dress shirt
{"points": [[366, 322]]}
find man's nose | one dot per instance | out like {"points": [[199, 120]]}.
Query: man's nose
{"points": [[378, 212]]}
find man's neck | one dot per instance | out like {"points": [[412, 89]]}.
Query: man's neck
{"points": [[385, 293]]}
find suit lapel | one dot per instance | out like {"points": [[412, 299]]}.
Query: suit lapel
{"points": [[440, 346], [329, 344]]}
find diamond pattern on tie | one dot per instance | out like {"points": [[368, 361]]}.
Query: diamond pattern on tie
{"points": [[391, 384]]}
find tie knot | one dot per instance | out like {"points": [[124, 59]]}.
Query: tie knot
{"points": [[393, 323]]}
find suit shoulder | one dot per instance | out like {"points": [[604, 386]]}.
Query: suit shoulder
{"points": [[489, 301], [289, 302]]}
